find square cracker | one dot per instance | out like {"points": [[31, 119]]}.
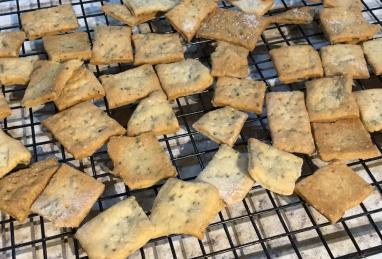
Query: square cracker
{"points": [[222, 125], [16, 71], [140, 161], [185, 208], [223, 25], [370, 105], [10, 43], [330, 99], [49, 21], [343, 3], [19, 190], [188, 16], [12, 153], [296, 63], [334, 189], [106, 51], [121, 13], [129, 86], [242, 94], [300, 15], [5, 110], [346, 25], [229, 60], [273, 169], [184, 78], [154, 113], [82, 86], [289, 122], [344, 59], [258, 7], [82, 129], [139, 7], [373, 52], [154, 48], [116, 232], [343, 140], [68, 197], [227, 171]]}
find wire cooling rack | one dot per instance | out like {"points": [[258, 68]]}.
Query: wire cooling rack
{"points": [[264, 225]]}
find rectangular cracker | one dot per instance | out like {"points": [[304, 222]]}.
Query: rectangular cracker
{"points": [[10, 43], [121, 13], [141, 80], [116, 232], [370, 105], [258, 7], [330, 99], [343, 140], [19, 190], [68, 197], [344, 59], [16, 71], [289, 122], [222, 125], [229, 60], [333, 190], [184, 78], [106, 51], [154, 48], [300, 15], [188, 16], [296, 63], [373, 52], [49, 21], [273, 169], [343, 3], [5, 110], [242, 94], [83, 129], [139, 7]]}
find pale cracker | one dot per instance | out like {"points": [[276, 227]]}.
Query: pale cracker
{"points": [[343, 3], [83, 129], [117, 232], [333, 189], [289, 122], [139, 7], [121, 13], [373, 52], [300, 15], [10, 43], [258, 7], [227, 171], [185, 208], [154, 113], [68, 197], [5, 110], [222, 125], [19, 190], [15, 71], [184, 78], [370, 105], [273, 169]]}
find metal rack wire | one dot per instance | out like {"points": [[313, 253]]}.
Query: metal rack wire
{"points": [[263, 225]]}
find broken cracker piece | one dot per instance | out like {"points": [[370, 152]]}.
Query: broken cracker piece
{"points": [[258, 7], [5, 110], [121, 13], [16, 71], [10, 43], [370, 105]]}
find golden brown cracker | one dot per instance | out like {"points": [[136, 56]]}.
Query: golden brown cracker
{"points": [[121, 13], [373, 52], [10, 43], [16, 71], [370, 106]]}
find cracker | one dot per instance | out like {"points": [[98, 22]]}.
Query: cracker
{"points": [[68, 197], [334, 189], [344, 59], [301, 15], [343, 3], [82, 86], [234, 27], [117, 232], [12, 153], [346, 25], [10, 43], [187, 17], [19, 190], [373, 52], [121, 13], [222, 125], [141, 80], [289, 122], [229, 60], [273, 169], [258, 7], [343, 140], [185, 208], [330, 99], [227, 171], [49, 21], [296, 63], [139, 7], [82, 129], [154, 48], [16, 71], [64, 47], [242, 94], [106, 51], [5, 110], [370, 105], [68, 69], [184, 78], [140, 161], [154, 113]]}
